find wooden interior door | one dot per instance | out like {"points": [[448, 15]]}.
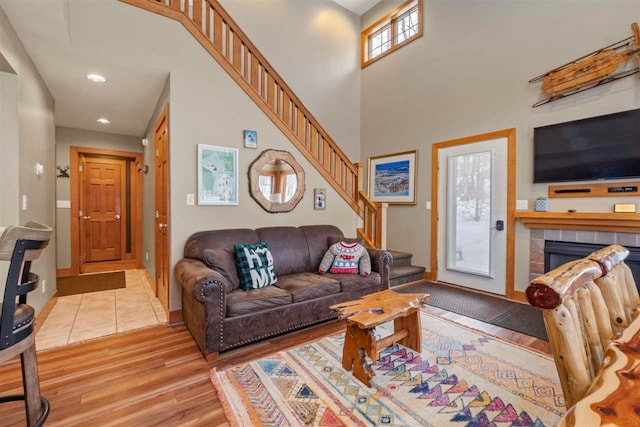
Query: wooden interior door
{"points": [[102, 199], [161, 200]]}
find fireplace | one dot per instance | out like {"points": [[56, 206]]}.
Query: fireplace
{"points": [[557, 253], [584, 242], [599, 229]]}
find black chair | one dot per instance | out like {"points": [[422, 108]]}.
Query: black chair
{"points": [[20, 246]]}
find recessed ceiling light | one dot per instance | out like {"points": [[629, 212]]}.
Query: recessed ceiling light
{"points": [[96, 78], [103, 121]]}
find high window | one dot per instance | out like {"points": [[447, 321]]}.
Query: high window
{"points": [[393, 31]]}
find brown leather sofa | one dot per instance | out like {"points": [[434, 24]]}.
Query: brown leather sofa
{"points": [[222, 316]]}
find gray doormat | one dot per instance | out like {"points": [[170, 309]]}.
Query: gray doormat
{"points": [[523, 318], [496, 311]]}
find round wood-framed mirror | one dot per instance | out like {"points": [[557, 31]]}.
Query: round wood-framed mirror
{"points": [[276, 181]]}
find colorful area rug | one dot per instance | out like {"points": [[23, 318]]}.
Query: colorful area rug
{"points": [[461, 378]]}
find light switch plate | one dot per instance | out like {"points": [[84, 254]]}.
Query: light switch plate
{"points": [[428, 205], [63, 204], [191, 199], [522, 205]]}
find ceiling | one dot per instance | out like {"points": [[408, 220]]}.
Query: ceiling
{"points": [[358, 7], [127, 99], [131, 92]]}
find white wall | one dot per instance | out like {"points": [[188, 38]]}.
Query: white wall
{"points": [[469, 75], [66, 138], [9, 191], [9, 212], [27, 131], [206, 107], [315, 47]]}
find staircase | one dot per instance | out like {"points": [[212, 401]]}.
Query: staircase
{"points": [[401, 270], [218, 33]]}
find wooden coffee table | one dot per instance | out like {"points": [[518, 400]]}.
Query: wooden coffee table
{"points": [[364, 314]]}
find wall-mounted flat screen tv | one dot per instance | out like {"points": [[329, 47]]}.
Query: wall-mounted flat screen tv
{"points": [[603, 147]]}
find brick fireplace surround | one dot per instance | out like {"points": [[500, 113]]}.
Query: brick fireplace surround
{"points": [[539, 235]]}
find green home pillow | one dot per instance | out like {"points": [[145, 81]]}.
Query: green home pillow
{"points": [[255, 266]]}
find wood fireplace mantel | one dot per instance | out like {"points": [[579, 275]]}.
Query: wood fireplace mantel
{"points": [[587, 221]]}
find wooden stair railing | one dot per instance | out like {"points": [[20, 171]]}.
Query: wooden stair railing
{"points": [[218, 33], [374, 216], [211, 25]]}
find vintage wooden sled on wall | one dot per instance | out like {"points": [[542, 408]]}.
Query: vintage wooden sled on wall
{"points": [[591, 70]]}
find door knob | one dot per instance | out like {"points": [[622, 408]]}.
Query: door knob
{"points": [[86, 217], [161, 226], [117, 216]]}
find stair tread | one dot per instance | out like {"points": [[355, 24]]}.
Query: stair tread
{"points": [[405, 270], [399, 255]]}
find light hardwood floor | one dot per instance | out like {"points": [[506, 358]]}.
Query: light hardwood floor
{"points": [[157, 376]]}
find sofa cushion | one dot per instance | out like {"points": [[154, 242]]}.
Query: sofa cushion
{"points": [[224, 262], [241, 302], [308, 286], [255, 266], [316, 236], [224, 239], [351, 282], [289, 249]]}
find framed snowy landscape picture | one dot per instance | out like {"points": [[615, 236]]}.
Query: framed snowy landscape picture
{"points": [[392, 178], [217, 175]]}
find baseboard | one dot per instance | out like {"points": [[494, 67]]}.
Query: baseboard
{"points": [[175, 317], [518, 296], [64, 272], [46, 310], [150, 280], [406, 285], [103, 266]]}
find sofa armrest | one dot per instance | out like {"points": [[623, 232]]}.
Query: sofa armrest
{"points": [[204, 303], [204, 284], [380, 262]]}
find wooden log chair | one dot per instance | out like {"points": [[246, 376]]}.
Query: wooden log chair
{"points": [[20, 246], [586, 304]]}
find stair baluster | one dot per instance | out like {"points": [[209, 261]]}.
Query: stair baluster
{"points": [[218, 33]]}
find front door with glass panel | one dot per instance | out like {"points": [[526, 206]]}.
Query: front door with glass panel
{"points": [[472, 210]]}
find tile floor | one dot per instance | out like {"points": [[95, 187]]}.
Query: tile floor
{"points": [[77, 318]]}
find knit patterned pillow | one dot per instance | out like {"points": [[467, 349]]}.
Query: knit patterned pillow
{"points": [[255, 266], [346, 258]]}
